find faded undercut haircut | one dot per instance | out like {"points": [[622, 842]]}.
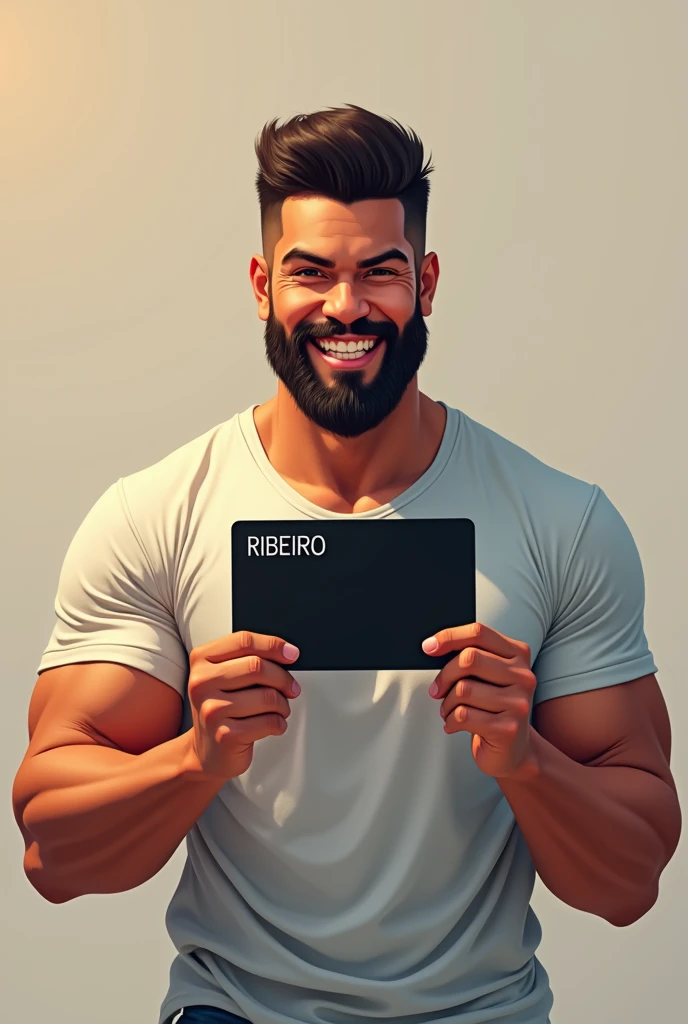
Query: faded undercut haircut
{"points": [[347, 154]]}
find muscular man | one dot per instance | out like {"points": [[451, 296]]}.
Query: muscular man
{"points": [[360, 846]]}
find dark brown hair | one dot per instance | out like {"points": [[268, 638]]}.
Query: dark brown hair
{"points": [[347, 154]]}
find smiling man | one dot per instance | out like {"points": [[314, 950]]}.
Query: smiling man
{"points": [[377, 295], [360, 845]]}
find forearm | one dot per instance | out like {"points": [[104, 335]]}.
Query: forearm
{"points": [[105, 821], [599, 837]]}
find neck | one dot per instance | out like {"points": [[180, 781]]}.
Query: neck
{"points": [[351, 474]]}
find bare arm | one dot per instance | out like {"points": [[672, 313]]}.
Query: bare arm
{"points": [[107, 790], [601, 815]]}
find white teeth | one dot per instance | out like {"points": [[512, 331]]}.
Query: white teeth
{"points": [[346, 350]]}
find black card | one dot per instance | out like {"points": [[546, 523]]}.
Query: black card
{"points": [[354, 595]]}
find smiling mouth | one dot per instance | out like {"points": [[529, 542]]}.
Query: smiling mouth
{"points": [[347, 351]]}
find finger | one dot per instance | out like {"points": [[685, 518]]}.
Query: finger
{"points": [[497, 728], [238, 731], [475, 634], [258, 700], [243, 643], [240, 674], [481, 696], [471, 661]]}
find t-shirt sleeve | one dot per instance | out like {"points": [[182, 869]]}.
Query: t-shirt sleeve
{"points": [[597, 637], [109, 604]]}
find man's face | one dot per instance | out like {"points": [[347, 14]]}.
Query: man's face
{"points": [[375, 312]]}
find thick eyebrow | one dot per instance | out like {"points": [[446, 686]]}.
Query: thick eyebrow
{"points": [[372, 261]]}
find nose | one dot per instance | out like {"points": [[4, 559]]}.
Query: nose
{"points": [[343, 304]]}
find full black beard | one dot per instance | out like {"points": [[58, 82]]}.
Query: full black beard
{"points": [[347, 408]]}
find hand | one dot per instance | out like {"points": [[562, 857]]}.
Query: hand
{"points": [[487, 690], [238, 693]]}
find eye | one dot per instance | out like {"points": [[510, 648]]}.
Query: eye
{"points": [[374, 270]]}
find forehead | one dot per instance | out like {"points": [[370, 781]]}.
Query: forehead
{"points": [[316, 221]]}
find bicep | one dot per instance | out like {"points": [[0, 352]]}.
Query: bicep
{"points": [[627, 724], [121, 711], [104, 703]]}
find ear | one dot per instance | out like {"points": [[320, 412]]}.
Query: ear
{"points": [[260, 279], [429, 276]]}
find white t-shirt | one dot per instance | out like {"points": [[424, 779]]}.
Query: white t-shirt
{"points": [[363, 868]]}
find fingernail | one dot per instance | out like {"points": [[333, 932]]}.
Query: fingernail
{"points": [[290, 652], [434, 690], [430, 645], [295, 688]]}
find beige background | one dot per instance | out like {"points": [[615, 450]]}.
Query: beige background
{"points": [[128, 218]]}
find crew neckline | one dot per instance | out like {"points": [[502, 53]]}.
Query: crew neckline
{"points": [[254, 444]]}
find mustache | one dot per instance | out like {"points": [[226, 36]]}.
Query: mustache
{"points": [[363, 328]]}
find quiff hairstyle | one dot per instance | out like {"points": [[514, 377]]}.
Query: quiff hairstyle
{"points": [[347, 154]]}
